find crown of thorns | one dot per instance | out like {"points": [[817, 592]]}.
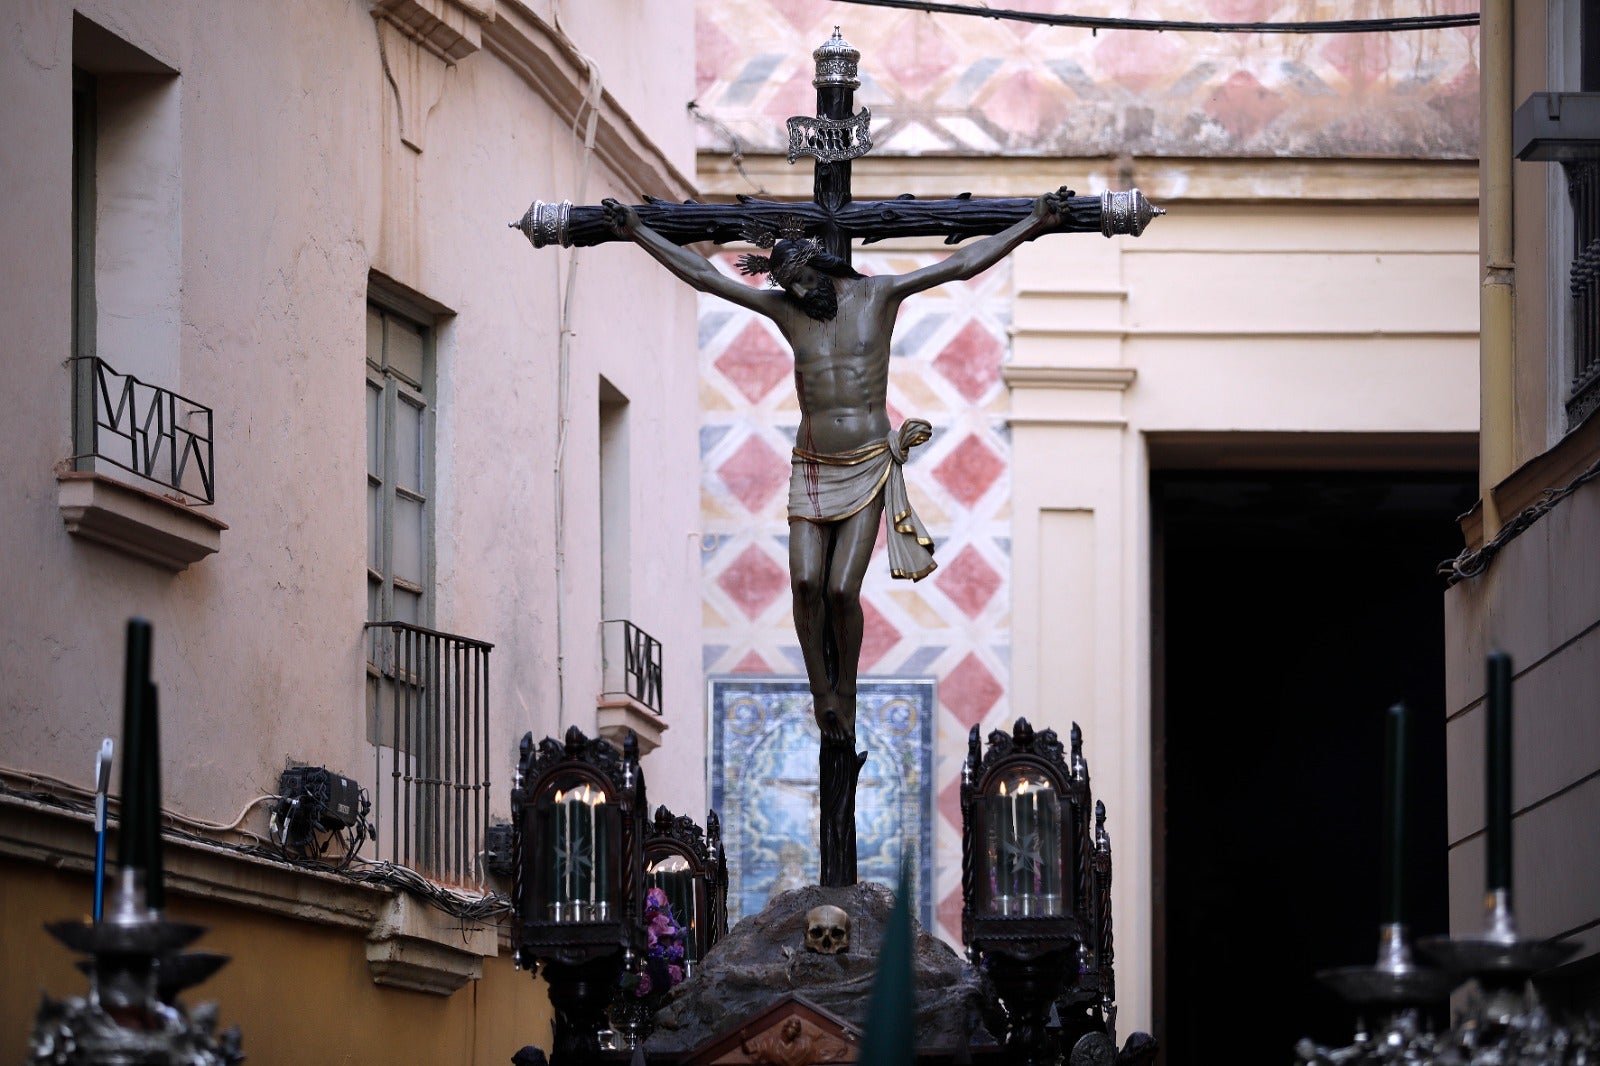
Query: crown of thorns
{"points": [[800, 249]]}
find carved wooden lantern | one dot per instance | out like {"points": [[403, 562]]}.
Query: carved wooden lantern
{"points": [[690, 867], [1030, 909], [578, 876]]}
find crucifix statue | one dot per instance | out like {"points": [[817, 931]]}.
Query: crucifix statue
{"points": [[846, 468]]}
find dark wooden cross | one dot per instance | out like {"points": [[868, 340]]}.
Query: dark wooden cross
{"points": [[835, 137]]}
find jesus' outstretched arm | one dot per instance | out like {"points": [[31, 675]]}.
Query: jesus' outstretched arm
{"points": [[688, 267], [973, 259]]}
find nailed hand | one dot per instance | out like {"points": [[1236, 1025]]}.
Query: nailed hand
{"points": [[1052, 208], [622, 218]]}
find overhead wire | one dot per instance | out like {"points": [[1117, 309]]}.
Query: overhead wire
{"points": [[1396, 24]]}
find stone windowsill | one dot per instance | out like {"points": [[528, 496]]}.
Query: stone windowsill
{"points": [[158, 529], [616, 713], [410, 945]]}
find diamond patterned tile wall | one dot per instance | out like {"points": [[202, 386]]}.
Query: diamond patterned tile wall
{"points": [[942, 83], [954, 626]]}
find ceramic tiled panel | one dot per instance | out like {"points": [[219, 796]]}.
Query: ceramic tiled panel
{"points": [[954, 84], [764, 743], [953, 626]]}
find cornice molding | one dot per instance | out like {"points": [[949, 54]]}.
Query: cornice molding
{"points": [[449, 29], [553, 68], [1110, 378]]}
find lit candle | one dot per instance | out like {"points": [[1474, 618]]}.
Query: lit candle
{"points": [[1002, 836], [594, 852], [1019, 869], [1050, 850], [1498, 783], [563, 835], [550, 841], [1392, 898], [573, 855], [602, 856]]}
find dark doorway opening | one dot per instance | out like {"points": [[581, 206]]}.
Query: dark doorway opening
{"points": [[1291, 610]]}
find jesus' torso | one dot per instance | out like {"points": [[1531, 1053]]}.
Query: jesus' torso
{"points": [[841, 366]]}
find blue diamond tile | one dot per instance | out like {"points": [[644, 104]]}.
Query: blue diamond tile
{"points": [[711, 322], [710, 436], [921, 661], [751, 78]]}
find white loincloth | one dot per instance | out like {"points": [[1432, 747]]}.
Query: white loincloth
{"points": [[831, 488]]}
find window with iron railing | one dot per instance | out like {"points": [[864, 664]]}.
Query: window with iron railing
{"points": [[121, 420], [427, 691], [630, 663], [144, 429], [428, 712]]}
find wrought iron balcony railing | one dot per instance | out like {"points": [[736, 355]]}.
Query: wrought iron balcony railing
{"points": [[142, 428], [631, 662], [1583, 185], [428, 707]]}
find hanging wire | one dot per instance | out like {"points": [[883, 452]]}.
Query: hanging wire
{"points": [[735, 145], [588, 113], [1092, 22], [1474, 561]]}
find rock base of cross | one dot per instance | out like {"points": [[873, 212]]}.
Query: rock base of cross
{"points": [[760, 977]]}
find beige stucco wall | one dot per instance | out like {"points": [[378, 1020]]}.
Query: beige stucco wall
{"points": [[300, 149], [1538, 603], [1538, 600], [1344, 334]]}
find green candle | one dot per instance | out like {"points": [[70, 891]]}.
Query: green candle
{"points": [[133, 837], [1394, 823], [155, 892], [1498, 783]]}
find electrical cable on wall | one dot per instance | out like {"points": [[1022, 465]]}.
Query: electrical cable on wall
{"points": [[1474, 561], [490, 908], [1096, 23], [590, 105]]}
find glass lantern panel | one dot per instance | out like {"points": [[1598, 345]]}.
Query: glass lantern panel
{"points": [[1022, 849], [581, 839], [671, 872]]}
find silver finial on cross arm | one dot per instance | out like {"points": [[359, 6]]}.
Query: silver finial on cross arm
{"points": [[1126, 212], [546, 223]]}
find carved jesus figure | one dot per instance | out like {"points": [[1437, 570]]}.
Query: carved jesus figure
{"points": [[846, 455]]}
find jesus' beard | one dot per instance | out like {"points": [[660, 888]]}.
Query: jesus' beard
{"points": [[822, 302]]}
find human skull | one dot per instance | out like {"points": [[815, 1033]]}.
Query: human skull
{"points": [[827, 930]]}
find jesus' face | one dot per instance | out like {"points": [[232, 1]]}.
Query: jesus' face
{"points": [[815, 293]]}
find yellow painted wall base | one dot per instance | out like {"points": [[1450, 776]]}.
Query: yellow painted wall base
{"points": [[300, 992]]}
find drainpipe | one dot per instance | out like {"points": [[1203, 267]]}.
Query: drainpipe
{"points": [[1497, 297]]}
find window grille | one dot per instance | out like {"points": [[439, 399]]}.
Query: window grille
{"points": [[428, 703], [1583, 394]]}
